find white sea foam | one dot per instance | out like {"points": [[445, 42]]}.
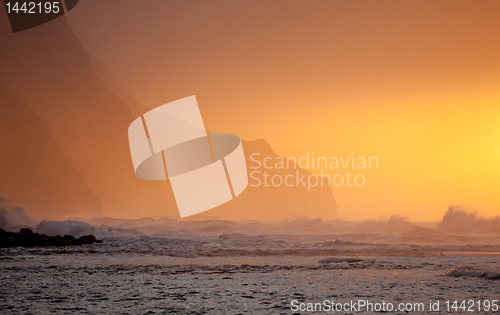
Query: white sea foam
{"points": [[459, 220], [78, 229], [467, 271], [12, 218]]}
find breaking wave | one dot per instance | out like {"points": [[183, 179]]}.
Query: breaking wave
{"points": [[458, 220], [13, 217], [466, 271]]}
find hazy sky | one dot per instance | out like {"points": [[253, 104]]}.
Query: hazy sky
{"points": [[414, 83]]}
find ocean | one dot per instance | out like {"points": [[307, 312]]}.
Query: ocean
{"points": [[222, 267]]}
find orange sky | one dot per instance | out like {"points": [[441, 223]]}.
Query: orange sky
{"points": [[413, 83]]}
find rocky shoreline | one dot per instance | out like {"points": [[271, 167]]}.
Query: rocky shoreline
{"points": [[27, 238]]}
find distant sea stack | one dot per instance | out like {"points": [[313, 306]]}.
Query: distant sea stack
{"points": [[275, 203]]}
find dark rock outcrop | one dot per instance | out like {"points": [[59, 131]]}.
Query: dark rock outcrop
{"points": [[27, 238], [26, 232]]}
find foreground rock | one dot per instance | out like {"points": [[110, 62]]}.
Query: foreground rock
{"points": [[27, 238]]}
